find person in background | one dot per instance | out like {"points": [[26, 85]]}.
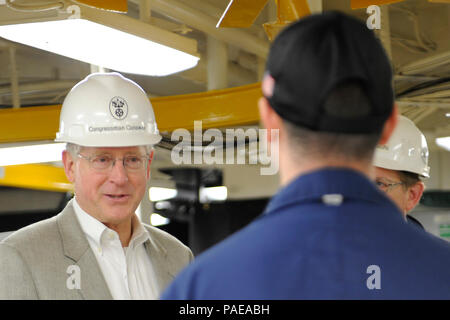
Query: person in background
{"points": [[329, 233], [97, 248], [400, 166]]}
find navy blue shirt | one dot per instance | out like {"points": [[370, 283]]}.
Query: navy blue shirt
{"points": [[329, 234]]}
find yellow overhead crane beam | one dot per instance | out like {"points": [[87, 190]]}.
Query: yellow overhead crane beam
{"points": [[216, 109], [110, 5], [35, 176], [29, 124], [243, 13], [360, 4]]}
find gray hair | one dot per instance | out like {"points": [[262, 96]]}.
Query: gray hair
{"points": [[74, 149]]}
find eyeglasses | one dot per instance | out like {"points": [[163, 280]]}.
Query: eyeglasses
{"points": [[105, 162], [387, 186]]}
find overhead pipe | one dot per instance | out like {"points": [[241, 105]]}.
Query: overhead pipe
{"points": [[237, 75], [426, 65], [51, 85]]}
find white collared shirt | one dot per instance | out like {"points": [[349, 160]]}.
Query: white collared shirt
{"points": [[128, 271]]}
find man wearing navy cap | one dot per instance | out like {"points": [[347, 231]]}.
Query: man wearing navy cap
{"points": [[329, 233]]}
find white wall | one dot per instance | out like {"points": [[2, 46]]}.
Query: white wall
{"points": [[432, 219], [246, 182], [439, 162]]}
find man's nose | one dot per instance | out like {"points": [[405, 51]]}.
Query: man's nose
{"points": [[118, 173]]}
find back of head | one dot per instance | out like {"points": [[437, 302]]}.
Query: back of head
{"points": [[331, 82], [107, 110]]}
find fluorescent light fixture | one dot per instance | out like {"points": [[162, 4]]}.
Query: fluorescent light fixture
{"points": [[163, 205], [213, 194], [158, 220], [443, 142], [31, 154], [159, 194], [109, 40]]}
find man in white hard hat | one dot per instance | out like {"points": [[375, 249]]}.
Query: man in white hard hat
{"points": [[97, 248], [400, 164]]}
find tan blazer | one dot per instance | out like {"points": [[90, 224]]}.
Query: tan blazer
{"points": [[34, 261]]}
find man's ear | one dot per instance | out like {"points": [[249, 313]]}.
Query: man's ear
{"points": [[69, 165], [414, 194], [389, 126], [269, 118]]}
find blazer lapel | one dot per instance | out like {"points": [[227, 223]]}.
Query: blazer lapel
{"points": [[76, 247], [93, 284], [158, 257]]}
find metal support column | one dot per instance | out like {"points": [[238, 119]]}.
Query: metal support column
{"points": [[217, 64], [14, 78], [145, 12]]}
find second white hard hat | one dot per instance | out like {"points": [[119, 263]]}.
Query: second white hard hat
{"points": [[107, 110], [406, 150]]}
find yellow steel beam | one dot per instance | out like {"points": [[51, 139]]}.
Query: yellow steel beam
{"points": [[217, 108], [34, 176], [359, 4], [291, 10], [110, 5], [241, 13], [287, 12], [29, 124]]}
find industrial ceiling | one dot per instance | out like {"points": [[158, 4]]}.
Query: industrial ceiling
{"points": [[418, 40]]}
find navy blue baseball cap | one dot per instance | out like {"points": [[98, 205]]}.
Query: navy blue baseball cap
{"points": [[314, 55]]}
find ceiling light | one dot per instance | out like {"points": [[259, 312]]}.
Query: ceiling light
{"points": [[158, 220], [213, 194], [109, 40], [31, 154], [443, 142], [159, 194]]}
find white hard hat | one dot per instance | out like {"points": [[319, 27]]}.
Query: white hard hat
{"points": [[107, 110], [406, 150]]}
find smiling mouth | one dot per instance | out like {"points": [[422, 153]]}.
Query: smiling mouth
{"points": [[116, 196]]}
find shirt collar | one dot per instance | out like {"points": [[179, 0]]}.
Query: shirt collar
{"points": [[330, 181], [90, 226], [95, 230]]}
